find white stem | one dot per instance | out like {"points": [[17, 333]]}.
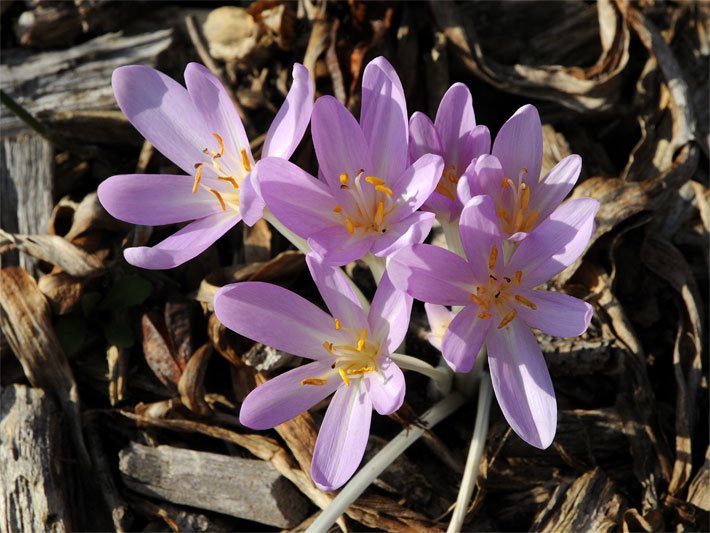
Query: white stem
{"points": [[364, 302], [376, 266], [382, 460], [294, 239], [478, 442], [441, 377], [453, 239]]}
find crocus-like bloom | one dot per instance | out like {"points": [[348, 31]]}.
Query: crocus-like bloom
{"points": [[350, 350], [367, 198], [454, 136], [199, 130], [511, 176], [500, 304], [439, 318]]}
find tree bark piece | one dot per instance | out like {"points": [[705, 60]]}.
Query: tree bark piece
{"points": [[245, 488], [32, 483]]}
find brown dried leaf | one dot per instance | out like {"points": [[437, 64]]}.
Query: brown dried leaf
{"points": [[62, 291], [178, 324], [158, 351], [192, 381], [257, 242]]}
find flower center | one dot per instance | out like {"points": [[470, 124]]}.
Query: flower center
{"points": [[515, 213], [498, 296], [448, 181], [227, 168], [350, 361], [369, 203]]}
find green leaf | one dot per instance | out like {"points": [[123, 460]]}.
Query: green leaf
{"points": [[129, 291], [71, 331]]}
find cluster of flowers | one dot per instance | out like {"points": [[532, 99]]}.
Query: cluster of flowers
{"points": [[381, 184]]}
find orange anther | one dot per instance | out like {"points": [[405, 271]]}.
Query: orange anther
{"points": [[385, 189], [523, 300], [507, 319], [314, 381], [230, 179], [198, 176], [493, 257], [337, 209], [349, 225], [338, 324], [484, 316], [245, 160], [343, 179], [480, 301], [219, 199], [518, 276], [221, 145]]}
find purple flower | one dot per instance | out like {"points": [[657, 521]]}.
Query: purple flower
{"points": [[368, 194], [511, 176], [199, 130], [500, 304], [439, 318], [454, 136], [350, 350]]}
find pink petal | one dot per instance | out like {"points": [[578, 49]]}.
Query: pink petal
{"points": [[555, 185], [276, 317], [218, 114], [300, 202], [291, 121], [156, 199], [454, 121], [339, 142], [464, 337], [187, 243], [432, 274], [389, 314], [439, 318], [251, 203], [417, 183], [522, 383], [283, 397], [383, 119], [386, 387], [337, 294], [423, 138], [557, 314], [337, 247], [518, 144], [477, 143], [342, 437], [556, 242], [163, 112], [479, 232], [485, 176], [411, 230]]}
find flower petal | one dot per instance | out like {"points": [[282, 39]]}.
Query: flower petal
{"points": [[337, 293], [386, 387], [557, 314], [383, 119], [251, 203], [163, 112], [432, 274], [555, 185], [276, 317], [283, 397], [389, 314], [291, 121], [301, 202], [342, 437], [556, 242], [518, 144], [185, 244], [454, 121], [338, 140], [485, 176], [417, 183], [337, 247], [156, 199], [219, 115], [477, 143], [439, 318], [463, 338], [522, 383], [479, 232], [411, 230], [423, 138]]}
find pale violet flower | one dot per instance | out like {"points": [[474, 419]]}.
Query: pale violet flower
{"points": [[350, 350], [199, 130], [439, 318]]}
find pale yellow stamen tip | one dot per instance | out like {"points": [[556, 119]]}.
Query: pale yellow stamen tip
{"points": [[338, 324], [245, 160], [344, 376], [198, 177], [385, 189], [493, 257], [518, 277], [526, 302], [221, 145], [314, 381], [230, 179], [507, 319], [374, 180], [349, 225], [380, 213], [362, 339], [219, 199], [343, 179], [328, 347]]}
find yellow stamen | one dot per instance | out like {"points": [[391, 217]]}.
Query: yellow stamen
{"points": [[337, 209], [198, 177], [451, 174], [505, 183], [380, 213], [523, 300], [374, 180], [245, 160], [230, 179], [345, 377], [518, 219], [493, 257], [314, 381], [524, 196], [484, 315], [219, 199], [480, 301], [385, 189], [361, 340], [507, 319], [338, 324], [328, 347], [361, 370], [349, 225], [530, 221], [502, 213], [343, 179], [221, 143], [518, 277]]}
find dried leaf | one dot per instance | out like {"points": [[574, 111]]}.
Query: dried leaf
{"points": [[192, 381], [159, 352]]}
